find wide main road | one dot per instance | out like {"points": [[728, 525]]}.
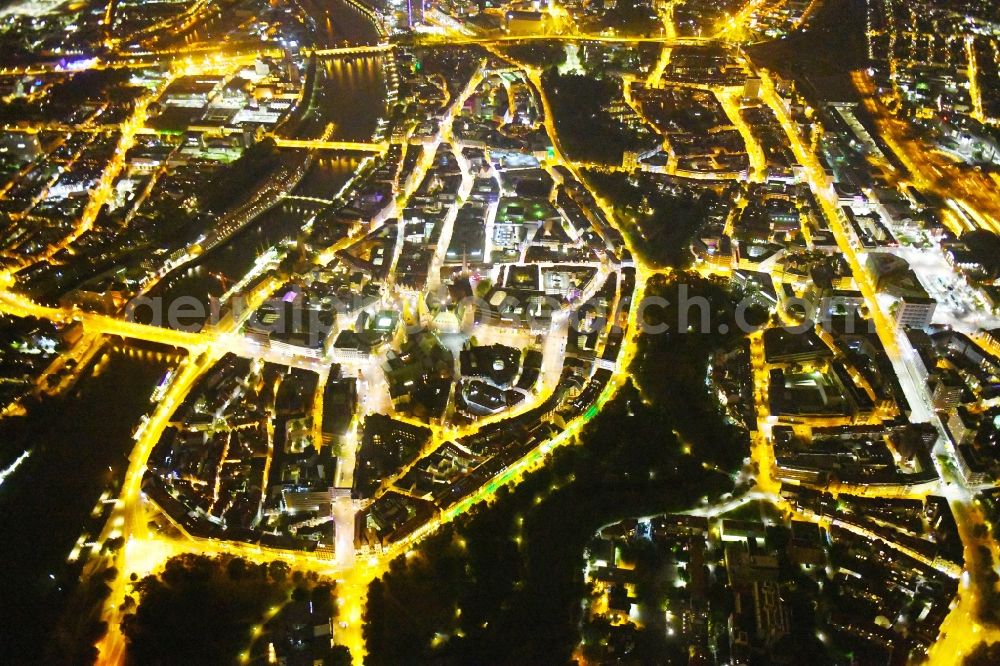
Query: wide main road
{"points": [[223, 336], [128, 519], [971, 192], [20, 306], [960, 630], [502, 40]]}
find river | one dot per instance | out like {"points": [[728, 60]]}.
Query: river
{"points": [[350, 93], [79, 443], [79, 446]]}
